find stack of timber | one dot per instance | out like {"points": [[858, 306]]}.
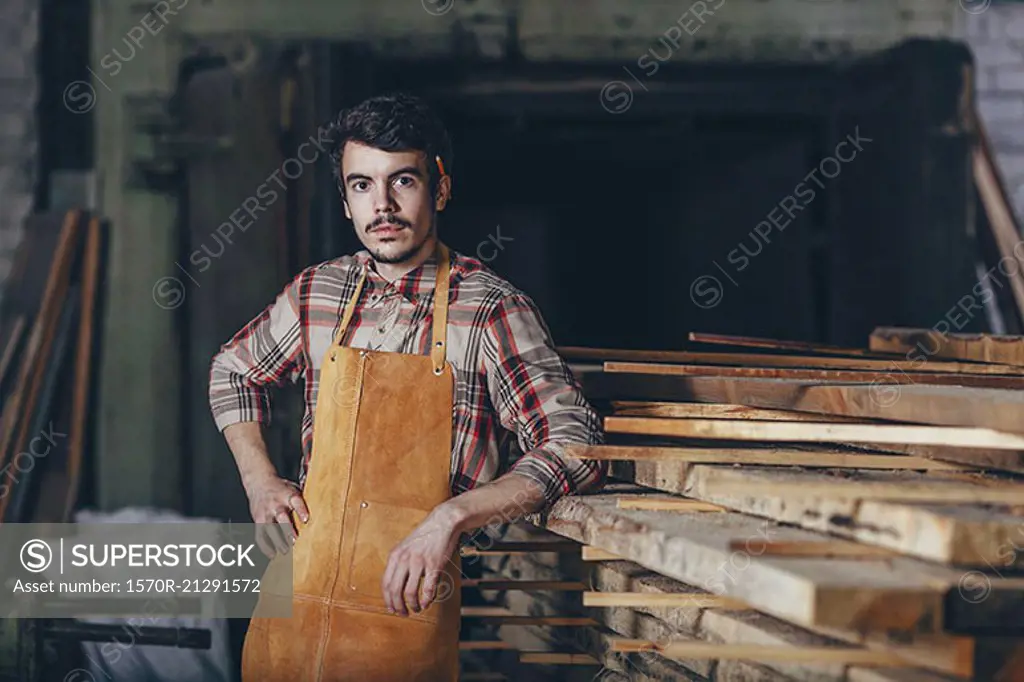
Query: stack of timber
{"points": [[49, 338], [784, 511]]}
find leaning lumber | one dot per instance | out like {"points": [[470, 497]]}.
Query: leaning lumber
{"points": [[1002, 349], [898, 594], [777, 344]]}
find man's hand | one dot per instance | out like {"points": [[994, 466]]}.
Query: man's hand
{"points": [[271, 501], [425, 553]]}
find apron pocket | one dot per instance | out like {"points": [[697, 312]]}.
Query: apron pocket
{"points": [[379, 529]]}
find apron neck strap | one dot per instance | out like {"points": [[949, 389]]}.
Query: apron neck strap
{"points": [[439, 338]]}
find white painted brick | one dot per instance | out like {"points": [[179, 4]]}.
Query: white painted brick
{"points": [[997, 54], [1001, 107]]}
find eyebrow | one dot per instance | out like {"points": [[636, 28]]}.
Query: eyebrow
{"points": [[407, 170]]}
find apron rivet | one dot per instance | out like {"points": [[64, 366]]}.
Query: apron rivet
{"points": [[364, 505], [439, 344]]}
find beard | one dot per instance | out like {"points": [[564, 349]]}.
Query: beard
{"points": [[405, 254]]}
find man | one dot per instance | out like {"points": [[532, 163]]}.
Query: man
{"points": [[419, 390]]}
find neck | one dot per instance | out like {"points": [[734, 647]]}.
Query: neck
{"points": [[394, 271]]}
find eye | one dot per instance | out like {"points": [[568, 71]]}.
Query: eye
{"points": [[360, 186], [405, 181]]}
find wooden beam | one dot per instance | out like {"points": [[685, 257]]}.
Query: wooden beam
{"points": [[1003, 349], [830, 375], [965, 437], [547, 621], [485, 645], [894, 365], [663, 503], [654, 600], [760, 456], [501, 548], [753, 652]]}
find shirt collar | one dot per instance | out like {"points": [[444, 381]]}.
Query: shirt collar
{"points": [[414, 284]]}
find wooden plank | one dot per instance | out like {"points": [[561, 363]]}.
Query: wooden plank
{"points": [[638, 408], [897, 594], [1002, 349], [752, 652], [960, 535], [818, 549], [830, 375], [663, 503], [780, 344], [11, 346], [992, 408], [965, 437], [724, 481], [888, 365], [760, 456], [547, 621], [686, 601], [502, 548], [485, 645]]}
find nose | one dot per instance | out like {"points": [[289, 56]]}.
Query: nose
{"points": [[384, 200]]}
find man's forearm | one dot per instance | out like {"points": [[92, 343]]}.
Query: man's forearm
{"points": [[249, 449], [502, 501]]}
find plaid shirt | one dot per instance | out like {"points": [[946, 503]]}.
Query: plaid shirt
{"points": [[508, 377]]}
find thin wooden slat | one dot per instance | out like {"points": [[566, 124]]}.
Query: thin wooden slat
{"points": [[753, 652], [91, 269], [485, 645], [655, 600], [780, 344], [894, 365], [662, 503], [546, 621], [759, 456], [830, 375], [498, 548], [552, 585], [13, 341], [554, 658], [823, 549]]}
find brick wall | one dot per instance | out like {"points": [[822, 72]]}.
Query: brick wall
{"points": [[19, 92], [996, 36]]}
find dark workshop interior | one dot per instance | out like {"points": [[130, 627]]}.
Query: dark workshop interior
{"points": [[775, 241]]}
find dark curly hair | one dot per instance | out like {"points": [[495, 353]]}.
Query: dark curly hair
{"points": [[393, 122]]}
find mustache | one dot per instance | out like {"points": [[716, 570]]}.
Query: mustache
{"points": [[387, 219]]}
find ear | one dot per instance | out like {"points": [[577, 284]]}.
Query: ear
{"points": [[348, 213], [444, 191]]}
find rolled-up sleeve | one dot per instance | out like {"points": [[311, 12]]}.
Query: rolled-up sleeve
{"points": [[538, 398], [266, 352]]}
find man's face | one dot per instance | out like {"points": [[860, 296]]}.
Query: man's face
{"points": [[388, 199]]}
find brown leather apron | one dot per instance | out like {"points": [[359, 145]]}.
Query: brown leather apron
{"points": [[381, 458]]}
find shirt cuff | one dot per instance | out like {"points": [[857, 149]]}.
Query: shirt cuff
{"points": [[558, 475]]}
